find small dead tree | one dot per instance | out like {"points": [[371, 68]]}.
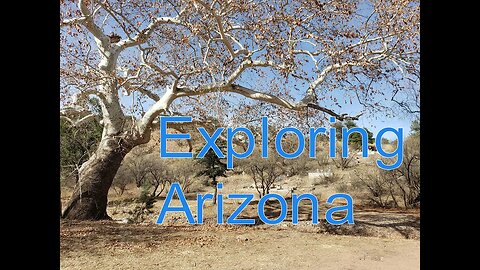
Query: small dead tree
{"points": [[184, 172], [407, 176], [138, 169], [265, 172], [159, 176], [122, 180], [341, 162], [398, 186], [149, 171], [154, 181], [380, 188]]}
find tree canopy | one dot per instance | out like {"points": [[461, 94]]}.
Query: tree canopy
{"points": [[292, 54]]}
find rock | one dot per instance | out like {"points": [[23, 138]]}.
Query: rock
{"points": [[242, 238], [123, 221]]}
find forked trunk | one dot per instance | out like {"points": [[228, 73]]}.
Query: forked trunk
{"points": [[89, 198]]}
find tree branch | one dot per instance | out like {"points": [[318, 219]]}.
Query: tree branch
{"points": [[142, 37], [248, 63], [82, 116], [73, 21], [252, 94], [101, 39], [223, 35]]}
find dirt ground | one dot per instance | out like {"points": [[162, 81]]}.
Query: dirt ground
{"points": [[110, 245], [380, 238]]}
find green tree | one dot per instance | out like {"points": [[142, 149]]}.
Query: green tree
{"points": [[213, 167], [415, 128], [76, 146], [355, 139], [338, 128], [371, 139], [350, 124]]}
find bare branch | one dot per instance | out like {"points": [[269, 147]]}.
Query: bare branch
{"points": [[154, 67], [100, 37], [83, 95], [252, 94], [248, 63], [224, 37], [77, 116], [142, 37], [144, 91], [73, 21]]}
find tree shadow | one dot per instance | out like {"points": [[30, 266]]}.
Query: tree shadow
{"points": [[88, 235], [407, 225]]}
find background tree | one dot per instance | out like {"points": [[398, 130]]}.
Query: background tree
{"points": [[77, 144], [159, 176], [122, 180], [184, 172], [343, 162], [397, 186], [415, 128], [290, 59], [355, 139], [407, 176], [213, 167], [264, 171], [149, 172], [338, 129]]}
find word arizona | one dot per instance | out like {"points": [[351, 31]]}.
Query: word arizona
{"points": [[247, 198]]}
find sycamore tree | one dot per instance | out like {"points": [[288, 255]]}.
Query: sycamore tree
{"points": [[224, 59]]}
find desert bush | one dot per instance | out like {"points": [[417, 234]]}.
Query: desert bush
{"points": [[342, 188], [122, 180], [341, 162], [407, 176], [185, 172], [400, 186], [380, 190], [149, 170], [264, 171], [329, 178], [322, 158], [212, 167], [146, 201], [296, 166]]}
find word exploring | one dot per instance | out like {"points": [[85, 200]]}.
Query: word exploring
{"points": [[247, 198], [313, 133]]}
